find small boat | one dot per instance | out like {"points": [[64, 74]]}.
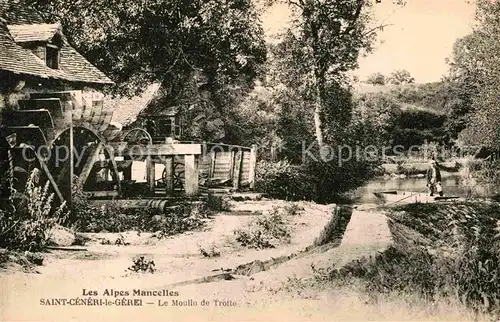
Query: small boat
{"points": [[397, 197]]}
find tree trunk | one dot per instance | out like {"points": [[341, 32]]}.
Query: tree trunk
{"points": [[318, 114], [318, 126]]}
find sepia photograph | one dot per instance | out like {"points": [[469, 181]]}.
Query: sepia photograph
{"points": [[249, 160]]}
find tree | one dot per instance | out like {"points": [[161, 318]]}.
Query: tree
{"points": [[401, 76], [476, 70], [189, 47], [376, 79], [324, 41]]}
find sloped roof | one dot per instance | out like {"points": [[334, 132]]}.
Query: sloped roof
{"points": [[18, 60], [128, 109], [34, 32], [25, 24]]}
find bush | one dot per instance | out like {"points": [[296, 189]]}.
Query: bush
{"points": [[267, 231], [27, 224], [282, 180], [142, 265], [110, 217], [314, 180], [488, 172]]}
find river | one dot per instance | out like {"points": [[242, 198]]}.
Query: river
{"points": [[451, 186]]}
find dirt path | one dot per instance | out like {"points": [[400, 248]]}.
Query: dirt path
{"points": [[273, 294]]}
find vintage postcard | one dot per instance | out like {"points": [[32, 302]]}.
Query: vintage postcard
{"points": [[249, 160]]}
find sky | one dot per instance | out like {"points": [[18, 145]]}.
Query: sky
{"points": [[419, 37]]}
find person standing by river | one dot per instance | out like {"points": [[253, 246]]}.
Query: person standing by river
{"points": [[434, 179]]}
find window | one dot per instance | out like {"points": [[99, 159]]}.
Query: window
{"points": [[165, 127], [178, 128], [52, 56]]}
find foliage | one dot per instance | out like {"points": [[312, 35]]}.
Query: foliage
{"points": [[402, 117], [205, 55], [292, 209], [266, 231], [283, 180], [401, 76], [142, 265], [27, 224], [110, 217], [489, 172], [379, 114], [323, 42], [376, 79], [475, 68], [222, 39]]}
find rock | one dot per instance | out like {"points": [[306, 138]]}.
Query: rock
{"points": [[61, 236]]}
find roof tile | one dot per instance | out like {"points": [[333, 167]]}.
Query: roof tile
{"points": [[34, 32], [24, 25]]}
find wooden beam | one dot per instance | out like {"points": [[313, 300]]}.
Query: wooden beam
{"points": [[150, 174], [127, 173], [50, 178], [231, 164], [253, 165], [213, 156], [169, 173], [93, 158], [155, 149], [102, 194], [191, 175], [115, 173], [238, 160]]}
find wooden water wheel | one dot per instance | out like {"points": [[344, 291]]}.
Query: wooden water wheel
{"points": [[42, 129]]}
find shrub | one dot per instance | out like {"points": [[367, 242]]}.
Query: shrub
{"points": [[266, 231], [283, 180], [27, 224], [314, 180], [489, 172], [142, 265]]}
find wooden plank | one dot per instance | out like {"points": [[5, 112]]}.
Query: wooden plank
{"points": [[157, 149], [169, 173], [150, 174], [127, 173], [31, 135], [237, 169], [253, 164], [106, 120], [50, 178], [40, 118], [51, 104], [93, 158], [213, 156], [191, 175], [102, 194]]}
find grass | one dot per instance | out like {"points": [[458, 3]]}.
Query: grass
{"points": [[440, 251], [26, 224], [267, 231]]}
